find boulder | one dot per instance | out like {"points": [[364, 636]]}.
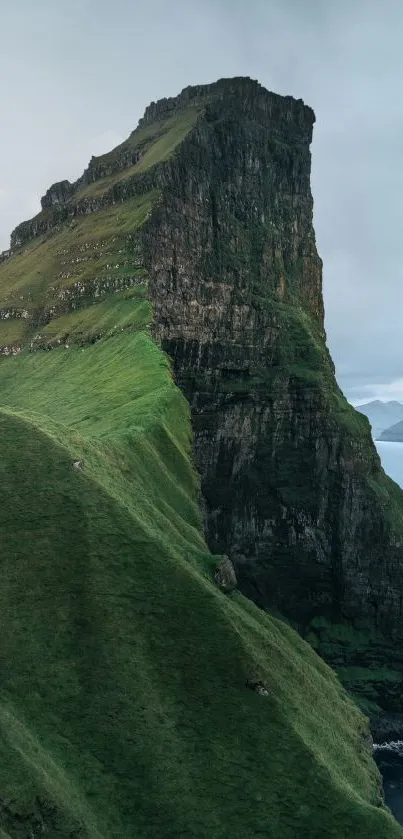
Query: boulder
{"points": [[224, 575]]}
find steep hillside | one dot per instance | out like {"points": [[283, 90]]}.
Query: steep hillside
{"points": [[137, 697], [293, 485], [124, 703]]}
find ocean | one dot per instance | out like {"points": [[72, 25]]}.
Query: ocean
{"points": [[390, 758], [391, 455]]}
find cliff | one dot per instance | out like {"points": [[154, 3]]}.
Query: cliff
{"points": [[292, 484], [214, 213], [142, 692], [213, 191]]}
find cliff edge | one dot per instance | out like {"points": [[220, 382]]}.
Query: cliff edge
{"points": [[141, 692], [292, 483]]}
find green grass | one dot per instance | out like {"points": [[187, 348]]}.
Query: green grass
{"points": [[123, 703], [124, 310], [12, 331], [95, 259], [163, 140], [82, 249], [123, 706]]}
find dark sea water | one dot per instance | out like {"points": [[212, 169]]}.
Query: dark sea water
{"points": [[390, 757], [390, 764]]}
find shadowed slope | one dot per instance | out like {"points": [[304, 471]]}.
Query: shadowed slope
{"points": [[123, 695]]}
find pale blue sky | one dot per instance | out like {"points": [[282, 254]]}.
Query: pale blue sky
{"points": [[76, 75]]}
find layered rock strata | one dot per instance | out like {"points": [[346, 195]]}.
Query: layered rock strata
{"points": [[291, 483]]}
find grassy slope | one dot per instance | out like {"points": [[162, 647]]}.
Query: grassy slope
{"points": [[94, 246], [122, 665], [156, 142], [123, 705]]}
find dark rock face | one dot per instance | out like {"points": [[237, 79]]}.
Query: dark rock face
{"points": [[100, 168], [292, 483], [258, 687], [5, 255], [57, 195], [67, 209], [61, 203], [225, 576]]}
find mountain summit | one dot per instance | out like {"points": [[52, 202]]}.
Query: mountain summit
{"points": [[165, 308]]}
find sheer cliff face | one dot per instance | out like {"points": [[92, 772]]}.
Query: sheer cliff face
{"points": [[292, 485], [214, 212]]}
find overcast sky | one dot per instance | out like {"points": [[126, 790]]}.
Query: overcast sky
{"points": [[76, 75]]}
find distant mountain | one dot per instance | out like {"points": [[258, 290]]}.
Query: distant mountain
{"points": [[382, 415], [393, 434]]}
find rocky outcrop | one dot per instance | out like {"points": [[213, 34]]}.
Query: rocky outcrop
{"points": [[102, 167], [11, 312], [292, 483], [62, 203], [224, 575], [57, 195], [50, 220], [200, 95], [10, 349], [5, 255]]}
